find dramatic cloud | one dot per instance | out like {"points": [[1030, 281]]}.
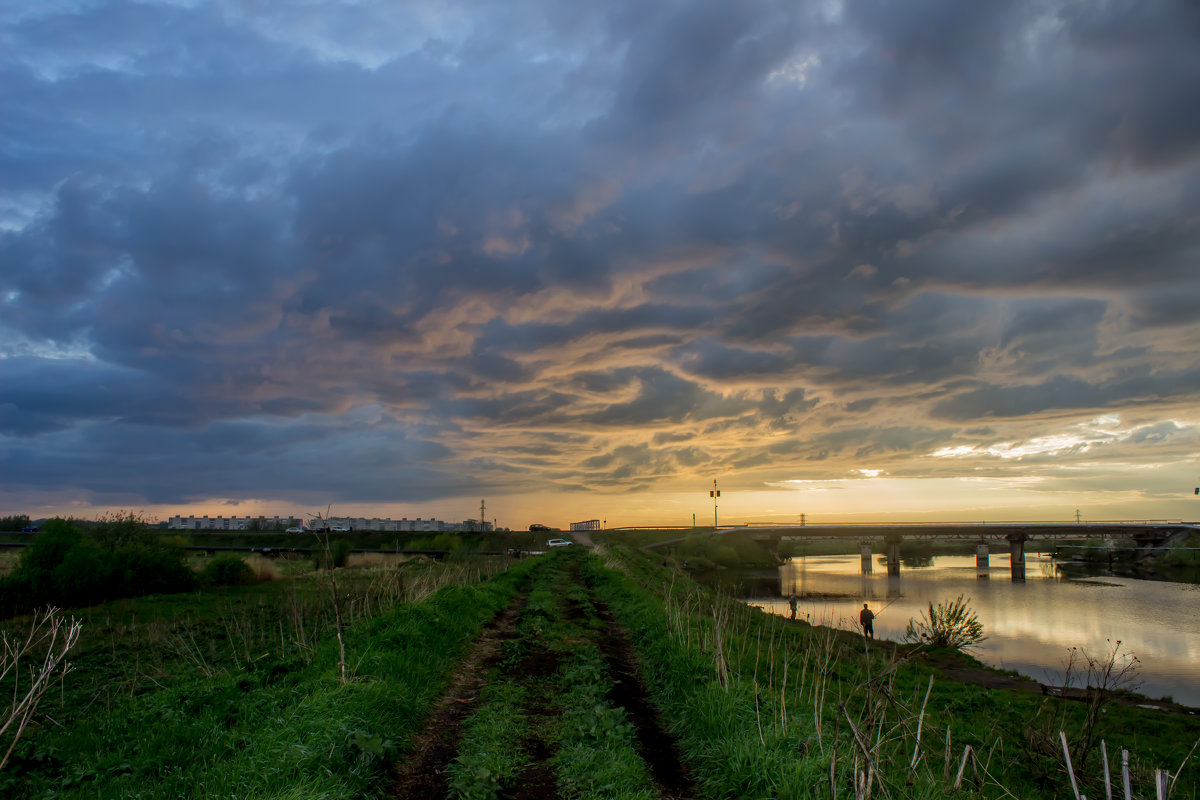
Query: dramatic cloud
{"points": [[375, 253]]}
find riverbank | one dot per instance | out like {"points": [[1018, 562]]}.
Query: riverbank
{"points": [[824, 676]]}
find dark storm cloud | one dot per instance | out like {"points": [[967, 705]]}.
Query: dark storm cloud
{"points": [[1065, 392], [808, 229]]}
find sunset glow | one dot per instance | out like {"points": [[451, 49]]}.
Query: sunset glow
{"points": [[854, 261]]}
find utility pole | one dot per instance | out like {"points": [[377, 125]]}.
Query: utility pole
{"points": [[714, 494]]}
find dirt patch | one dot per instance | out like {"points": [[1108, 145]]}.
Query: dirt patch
{"points": [[539, 662], [423, 775], [536, 781]]}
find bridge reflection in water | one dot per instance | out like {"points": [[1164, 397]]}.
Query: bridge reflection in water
{"points": [[1010, 536], [1031, 625]]}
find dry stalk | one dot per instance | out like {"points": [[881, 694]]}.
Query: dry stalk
{"points": [[946, 762], [323, 539], [783, 699], [920, 721], [862, 746], [57, 636], [1107, 778], [1070, 770], [961, 766], [1182, 764], [719, 654]]}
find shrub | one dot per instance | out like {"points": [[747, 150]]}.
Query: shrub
{"points": [[228, 570], [951, 624], [120, 558], [726, 556], [339, 552]]}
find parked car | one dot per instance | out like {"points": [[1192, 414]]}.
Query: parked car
{"points": [[295, 530], [340, 529], [537, 526], [29, 529], [559, 543]]}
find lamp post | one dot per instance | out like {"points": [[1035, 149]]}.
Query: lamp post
{"points": [[714, 494]]}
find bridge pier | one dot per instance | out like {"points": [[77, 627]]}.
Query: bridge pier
{"points": [[893, 554], [982, 563], [864, 551], [1017, 557]]}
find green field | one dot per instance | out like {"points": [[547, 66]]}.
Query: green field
{"points": [[236, 692]]}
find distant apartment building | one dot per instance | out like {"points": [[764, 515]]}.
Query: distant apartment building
{"points": [[403, 524], [207, 523]]}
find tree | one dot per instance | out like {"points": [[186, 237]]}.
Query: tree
{"points": [[14, 523]]}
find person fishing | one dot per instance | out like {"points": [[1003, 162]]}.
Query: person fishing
{"points": [[866, 618]]}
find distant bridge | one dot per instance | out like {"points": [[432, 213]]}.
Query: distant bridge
{"points": [[1146, 534]]}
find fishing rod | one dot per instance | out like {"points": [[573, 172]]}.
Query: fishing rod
{"points": [[889, 605]]}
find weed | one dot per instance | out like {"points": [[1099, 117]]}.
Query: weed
{"points": [[951, 624]]}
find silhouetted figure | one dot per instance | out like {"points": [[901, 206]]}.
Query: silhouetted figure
{"points": [[792, 603], [867, 618]]}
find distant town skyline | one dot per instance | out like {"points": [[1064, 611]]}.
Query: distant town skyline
{"points": [[853, 260]]}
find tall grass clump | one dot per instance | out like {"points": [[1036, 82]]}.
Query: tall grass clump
{"points": [[228, 570], [952, 624]]}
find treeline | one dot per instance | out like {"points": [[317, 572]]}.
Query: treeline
{"points": [[117, 557]]}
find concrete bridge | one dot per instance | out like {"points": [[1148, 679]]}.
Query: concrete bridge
{"points": [[1146, 534]]}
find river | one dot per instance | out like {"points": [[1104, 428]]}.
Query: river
{"points": [[1030, 626]]}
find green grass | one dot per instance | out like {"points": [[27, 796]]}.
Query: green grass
{"points": [[490, 753], [268, 721], [596, 757], [233, 692], [717, 670]]}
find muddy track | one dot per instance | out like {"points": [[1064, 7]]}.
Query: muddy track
{"points": [[655, 745], [423, 776]]}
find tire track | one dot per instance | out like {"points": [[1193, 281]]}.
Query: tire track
{"points": [[656, 746], [422, 776]]}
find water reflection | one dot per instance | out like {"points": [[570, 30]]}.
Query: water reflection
{"points": [[1030, 625]]}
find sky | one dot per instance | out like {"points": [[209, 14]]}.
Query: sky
{"points": [[855, 260]]}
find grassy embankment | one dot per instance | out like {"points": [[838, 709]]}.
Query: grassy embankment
{"points": [[234, 692], [765, 708]]}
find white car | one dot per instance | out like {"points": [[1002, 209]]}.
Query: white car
{"points": [[559, 543], [295, 530]]}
